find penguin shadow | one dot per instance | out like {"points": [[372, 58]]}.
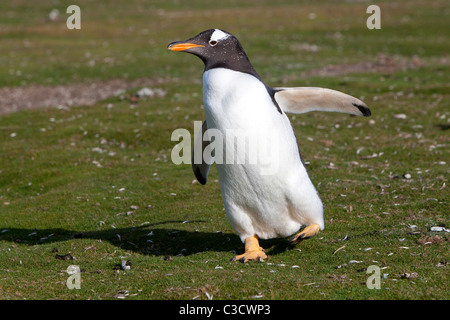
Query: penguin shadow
{"points": [[443, 126], [149, 239]]}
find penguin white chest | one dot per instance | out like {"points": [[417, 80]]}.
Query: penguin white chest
{"points": [[265, 188], [235, 97], [240, 108]]}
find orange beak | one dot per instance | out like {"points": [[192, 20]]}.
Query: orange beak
{"points": [[183, 46]]}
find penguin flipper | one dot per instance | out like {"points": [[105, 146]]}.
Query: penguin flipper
{"points": [[199, 165], [306, 99]]}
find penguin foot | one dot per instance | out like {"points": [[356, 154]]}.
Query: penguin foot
{"points": [[252, 251], [308, 232], [251, 255]]}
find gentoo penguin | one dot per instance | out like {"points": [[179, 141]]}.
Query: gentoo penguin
{"points": [[259, 204]]}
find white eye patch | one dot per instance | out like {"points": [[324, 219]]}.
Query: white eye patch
{"points": [[218, 35]]}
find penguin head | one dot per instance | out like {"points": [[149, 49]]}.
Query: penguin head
{"points": [[208, 45], [217, 49]]}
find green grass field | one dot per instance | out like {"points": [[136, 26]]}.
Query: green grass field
{"points": [[97, 182]]}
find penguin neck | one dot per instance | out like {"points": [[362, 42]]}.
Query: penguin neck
{"points": [[238, 62]]}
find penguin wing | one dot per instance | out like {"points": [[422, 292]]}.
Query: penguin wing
{"points": [[199, 165], [306, 99]]}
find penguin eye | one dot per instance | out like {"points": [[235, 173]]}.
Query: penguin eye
{"points": [[212, 43]]}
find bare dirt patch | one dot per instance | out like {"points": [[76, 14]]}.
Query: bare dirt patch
{"points": [[383, 64], [83, 94]]}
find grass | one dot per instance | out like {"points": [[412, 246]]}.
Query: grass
{"points": [[97, 181]]}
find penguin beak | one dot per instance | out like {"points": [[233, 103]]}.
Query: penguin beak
{"points": [[182, 46]]}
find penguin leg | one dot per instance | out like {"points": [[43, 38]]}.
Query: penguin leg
{"points": [[252, 251], [308, 232]]}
